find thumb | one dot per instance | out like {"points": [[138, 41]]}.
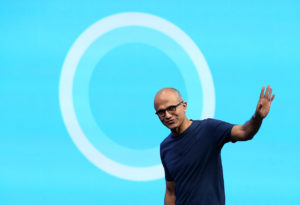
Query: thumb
{"points": [[259, 105]]}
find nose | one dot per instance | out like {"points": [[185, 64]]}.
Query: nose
{"points": [[167, 115]]}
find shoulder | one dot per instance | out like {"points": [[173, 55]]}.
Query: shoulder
{"points": [[214, 122], [165, 143], [205, 123], [214, 126]]}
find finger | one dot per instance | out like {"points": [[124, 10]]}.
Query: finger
{"points": [[270, 94], [267, 92], [262, 92], [272, 97]]}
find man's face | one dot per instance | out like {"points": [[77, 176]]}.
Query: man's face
{"points": [[171, 119]]}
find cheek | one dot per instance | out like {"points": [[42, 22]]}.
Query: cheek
{"points": [[162, 120], [181, 116]]}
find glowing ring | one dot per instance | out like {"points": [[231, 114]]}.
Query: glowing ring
{"points": [[66, 84]]}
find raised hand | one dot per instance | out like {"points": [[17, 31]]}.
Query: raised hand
{"points": [[264, 103]]}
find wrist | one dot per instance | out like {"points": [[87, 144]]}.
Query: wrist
{"points": [[257, 117]]}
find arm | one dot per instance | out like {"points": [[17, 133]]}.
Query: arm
{"points": [[170, 193], [250, 128]]}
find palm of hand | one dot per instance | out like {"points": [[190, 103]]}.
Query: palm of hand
{"points": [[264, 103]]}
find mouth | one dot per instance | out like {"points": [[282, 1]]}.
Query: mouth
{"points": [[170, 122]]}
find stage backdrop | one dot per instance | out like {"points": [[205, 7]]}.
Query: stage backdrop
{"points": [[78, 78]]}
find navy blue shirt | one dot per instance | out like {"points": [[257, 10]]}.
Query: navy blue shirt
{"points": [[193, 161]]}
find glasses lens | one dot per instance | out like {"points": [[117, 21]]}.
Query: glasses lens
{"points": [[160, 113], [171, 108]]}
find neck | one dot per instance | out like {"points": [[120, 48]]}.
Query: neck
{"points": [[184, 125]]}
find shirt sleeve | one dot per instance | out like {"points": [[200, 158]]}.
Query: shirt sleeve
{"points": [[168, 176], [222, 132]]}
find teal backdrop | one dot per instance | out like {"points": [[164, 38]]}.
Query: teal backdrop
{"points": [[246, 45]]}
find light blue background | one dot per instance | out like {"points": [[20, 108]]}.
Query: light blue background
{"points": [[246, 45]]}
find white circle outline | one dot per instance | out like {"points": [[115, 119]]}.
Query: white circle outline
{"points": [[66, 85]]}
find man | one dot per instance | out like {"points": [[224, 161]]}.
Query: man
{"points": [[191, 153]]}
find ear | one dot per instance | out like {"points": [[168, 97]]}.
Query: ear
{"points": [[184, 104]]}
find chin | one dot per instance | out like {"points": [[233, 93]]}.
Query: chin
{"points": [[172, 126]]}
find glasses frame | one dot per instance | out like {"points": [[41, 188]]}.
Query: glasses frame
{"points": [[169, 109]]}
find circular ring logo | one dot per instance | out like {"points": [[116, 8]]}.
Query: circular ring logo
{"points": [[87, 38]]}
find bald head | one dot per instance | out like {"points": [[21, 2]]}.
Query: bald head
{"points": [[171, 109], [166, 94]]}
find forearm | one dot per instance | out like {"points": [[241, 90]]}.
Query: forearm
{"points": [[170, 199], [251, 127]]}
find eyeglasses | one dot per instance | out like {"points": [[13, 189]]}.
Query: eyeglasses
{"points": [[171, 109]]}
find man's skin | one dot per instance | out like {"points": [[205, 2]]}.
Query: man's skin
{"points": [[178, 122]]}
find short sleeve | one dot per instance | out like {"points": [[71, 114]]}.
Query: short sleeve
{"points": [[167, 173], [222, 132]]}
